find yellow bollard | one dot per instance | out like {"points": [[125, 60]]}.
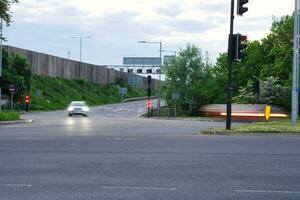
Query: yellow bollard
{"points": [[267, 112]]}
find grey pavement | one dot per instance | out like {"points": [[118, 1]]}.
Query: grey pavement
{"points": [[113, 154]]}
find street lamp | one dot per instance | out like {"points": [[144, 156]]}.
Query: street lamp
{"points": [[80, 47], [159, 77]]}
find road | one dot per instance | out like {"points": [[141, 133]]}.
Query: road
{"points": [[115, 155]]}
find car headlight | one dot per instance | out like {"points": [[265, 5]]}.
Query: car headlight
{"points": [[70, 109], [86, 109]]}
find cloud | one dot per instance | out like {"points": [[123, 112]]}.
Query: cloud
{"points": [[116, 25]]}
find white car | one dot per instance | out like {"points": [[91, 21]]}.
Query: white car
{"points": [[78, 108]]}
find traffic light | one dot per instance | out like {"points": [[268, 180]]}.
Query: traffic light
{"points": [[149, 81], [149, 87], [240, 7], [149, 104], [27, 99], [240, 46]]}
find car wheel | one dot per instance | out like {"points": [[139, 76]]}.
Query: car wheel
{"points": [[70, 115]]}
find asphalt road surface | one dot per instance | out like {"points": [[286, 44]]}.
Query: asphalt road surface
{"points": [[113, 154]]}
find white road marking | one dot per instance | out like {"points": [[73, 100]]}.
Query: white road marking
{"points": [[124, 139], [268, 191], [15, 185], [138, 188]]}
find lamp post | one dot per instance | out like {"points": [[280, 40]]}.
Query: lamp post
{"points": [[295, 89], [80, 45], [159, 77]]}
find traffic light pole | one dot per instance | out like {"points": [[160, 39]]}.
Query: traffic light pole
{"points": [[230, 61], [1, 81]]}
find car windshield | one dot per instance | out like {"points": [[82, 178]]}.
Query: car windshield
{"points": [[78, 104]]}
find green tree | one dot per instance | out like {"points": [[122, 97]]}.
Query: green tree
{"points": [[191, 75], [272, 56], [272, 92], [278, 50], [4, 10], [16, 71]]}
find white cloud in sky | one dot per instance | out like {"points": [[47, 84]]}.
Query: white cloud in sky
{"points": [[115, 25]]}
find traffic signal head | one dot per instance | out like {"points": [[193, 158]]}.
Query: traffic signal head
{"points": [[240, 46], [27, 99], [149, 104], [240, 7], [149, 80]]}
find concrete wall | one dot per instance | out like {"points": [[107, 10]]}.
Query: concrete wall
{"points": [[48, 65]]}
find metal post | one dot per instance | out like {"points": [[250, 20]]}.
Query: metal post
{"points": [[295, 94], [1, 36], [159, 78], [229, 97], [12, 101], [80, 49], [175, 108]]}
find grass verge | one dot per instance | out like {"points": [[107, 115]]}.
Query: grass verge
{"points": [[9, 116], [57, 93], [276, 127]]}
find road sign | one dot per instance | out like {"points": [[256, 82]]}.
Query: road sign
{"points": [[123, 91], [11, 89], [38, 93], [175, 95]]}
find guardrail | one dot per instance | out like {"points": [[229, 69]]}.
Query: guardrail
{"points": [[137, 99]]}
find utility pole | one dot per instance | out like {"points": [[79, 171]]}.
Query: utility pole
{"points": [[159, 86], [295, 89], [1, 81]]}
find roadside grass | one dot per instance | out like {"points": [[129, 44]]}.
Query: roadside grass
{"points": [[274, 127], [9, 116], [57, 93]]}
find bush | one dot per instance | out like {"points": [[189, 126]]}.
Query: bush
{"points": [[9, 116]]}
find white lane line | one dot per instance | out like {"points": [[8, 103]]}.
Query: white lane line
{"points": [[268, 191], [138, 188], [15, 185]]}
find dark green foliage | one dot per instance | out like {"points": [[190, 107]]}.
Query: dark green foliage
{"points": [[16, 71], [270, 57]]}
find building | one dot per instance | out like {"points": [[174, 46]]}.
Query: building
{"points": [[143, 66]]}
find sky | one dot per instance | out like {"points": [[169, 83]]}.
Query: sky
{"points": [[115, 26]]}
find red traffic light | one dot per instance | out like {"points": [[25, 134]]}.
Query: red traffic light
{"points": [[27, 99], [149, 104]]}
